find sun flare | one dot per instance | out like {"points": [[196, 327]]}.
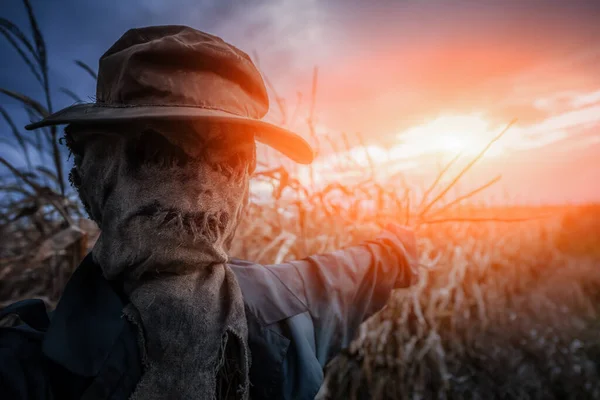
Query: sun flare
{"points": [[446, 135], [466, 134]]}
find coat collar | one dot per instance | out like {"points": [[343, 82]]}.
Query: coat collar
{"points": [[88, 319], [86, 323]]}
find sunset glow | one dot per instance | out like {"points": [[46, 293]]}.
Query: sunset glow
{"points": [[466, 134], [417, 82], [445, 136]]}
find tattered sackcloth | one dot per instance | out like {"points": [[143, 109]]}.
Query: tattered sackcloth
{"points": [[196, 348], [165, 228]]}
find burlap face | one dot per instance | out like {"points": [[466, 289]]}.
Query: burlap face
{"points": [[168, 200], [162, 205]]}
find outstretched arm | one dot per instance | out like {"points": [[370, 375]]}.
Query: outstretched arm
{"points": [[345, 287]]}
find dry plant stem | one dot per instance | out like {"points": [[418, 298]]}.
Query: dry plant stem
{"points": [[484, 219], [437, 180], [39, 68], [278, 100], [7, 29], [71, 94], [466, 196], [311, 122], [40, 47], [17, 135], [466, 169], [28, 101], [87, 69], [20, 175]]}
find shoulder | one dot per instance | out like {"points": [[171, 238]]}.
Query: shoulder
{"points": [[272, 293], [22, 367]]}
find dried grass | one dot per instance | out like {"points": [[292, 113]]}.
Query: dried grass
{"points": [[503, 314]]}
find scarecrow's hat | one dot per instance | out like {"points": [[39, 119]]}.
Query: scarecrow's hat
{"points": [[176, 72]]}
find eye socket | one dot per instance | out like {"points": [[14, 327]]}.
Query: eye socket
{"points": [[153, 148], [231, 165], [243, 156], [235, 162]]}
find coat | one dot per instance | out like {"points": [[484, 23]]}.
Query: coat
{"points": [[300, 314]]}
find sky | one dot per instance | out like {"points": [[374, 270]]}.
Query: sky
{"points": [[416, 81]]}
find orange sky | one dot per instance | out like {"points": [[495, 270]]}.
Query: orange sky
{"points": [[422, 82]]}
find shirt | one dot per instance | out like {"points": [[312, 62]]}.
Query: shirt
{"points": [[300, 314]]}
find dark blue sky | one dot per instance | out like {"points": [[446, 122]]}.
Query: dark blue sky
{"points": [[82, 29]]}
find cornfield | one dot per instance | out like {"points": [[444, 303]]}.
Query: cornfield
{"points": [[505, 306]]}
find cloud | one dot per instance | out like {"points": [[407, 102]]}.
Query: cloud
{"points": [[384, 66], [585, 99], [572, 115]]}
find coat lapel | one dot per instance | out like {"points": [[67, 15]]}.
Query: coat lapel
{"points": [[86, 323]]}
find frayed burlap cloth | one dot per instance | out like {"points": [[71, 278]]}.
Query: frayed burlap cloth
{"points": [[166, 219], [192, 319]]}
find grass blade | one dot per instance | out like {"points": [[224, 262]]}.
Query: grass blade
{"points": [[87, 68], [466, 196], [17, 134], [48, 173], [40, 45], [20, 175], [467, 168], [486, 219], [441, 174], [18, 33], [24, 57], [28, 101], [71, 94], [9, 143]]}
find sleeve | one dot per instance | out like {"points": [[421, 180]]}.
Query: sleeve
{"points": [[345, 287]]}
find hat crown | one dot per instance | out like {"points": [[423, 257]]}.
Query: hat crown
{"points": [[180, 66]]}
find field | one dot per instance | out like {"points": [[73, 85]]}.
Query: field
{"points": [[502, 312], [506, 305], [503, 308]]}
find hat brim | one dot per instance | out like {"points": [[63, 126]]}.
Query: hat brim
{"points": [[282, 140]]}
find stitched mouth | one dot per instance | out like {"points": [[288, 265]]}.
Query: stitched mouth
{"points": [[196, 224]]}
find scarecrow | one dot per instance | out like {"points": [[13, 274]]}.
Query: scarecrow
{"points": [[158, 310]]}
